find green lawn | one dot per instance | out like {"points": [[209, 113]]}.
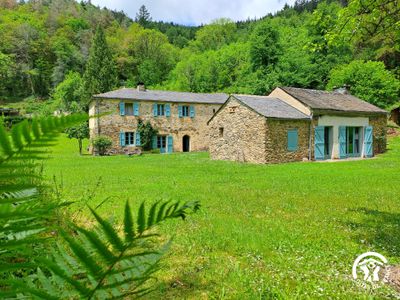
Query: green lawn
{"points": [[290, 230]]}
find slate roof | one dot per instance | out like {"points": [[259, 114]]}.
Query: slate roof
{"points": [[332, 101], [165, 96], [271, 107]]}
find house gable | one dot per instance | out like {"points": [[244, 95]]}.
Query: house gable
{"points": [[284, 96]]}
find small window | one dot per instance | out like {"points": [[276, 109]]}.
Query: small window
{"points": [[185, 111], [160, 109], [129, 138], [129, 109], [292, 140], [161, 142], [221, 131]]}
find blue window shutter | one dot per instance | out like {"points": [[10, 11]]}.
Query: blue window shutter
{"points": [[167, 110], [180, 113], [319, 142], [135, 109], [342, 141], [292, 140], [122, 108], [192, 112], [155, 111], [170, 144], [368, 142], [122, 138], [137, 142], [154, 142]]}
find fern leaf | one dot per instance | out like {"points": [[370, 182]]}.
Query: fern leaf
{"points": [[84, 257], [152, 215], [141, 219], [98, 245], [109, 232], [128, 224]]}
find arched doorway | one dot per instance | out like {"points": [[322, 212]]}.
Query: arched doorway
{"points": [[186, 143]]}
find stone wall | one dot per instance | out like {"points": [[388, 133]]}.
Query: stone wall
{"points": [[237, 133], [379, 124], [276, 144], [112, 123]]}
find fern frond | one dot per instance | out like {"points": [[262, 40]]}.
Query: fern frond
{"points": [[103, 265]]}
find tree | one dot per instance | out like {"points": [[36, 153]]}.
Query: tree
{"points": [[368, 80], [79, 132], [143, 16], [69, 94], [100, 75], [264, 46], [215, 35]]}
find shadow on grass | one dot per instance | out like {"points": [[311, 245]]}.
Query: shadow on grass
{"points": [[379, 229]]}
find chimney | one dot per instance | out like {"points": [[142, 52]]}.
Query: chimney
{"points": [[344, 89], [141, 87]]}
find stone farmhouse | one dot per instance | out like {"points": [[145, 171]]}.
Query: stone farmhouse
{"points": [[180, 118], [293, 124]]}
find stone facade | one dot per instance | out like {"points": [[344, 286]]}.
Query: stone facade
{"points": [[379, 125], [276, 145], [238, 133], [111, 123]]}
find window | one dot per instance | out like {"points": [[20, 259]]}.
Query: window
{"points": [[161, 142], [160, 109], [221, 131], [185, 111], [292, 140], [129, 138], [129, 109]]}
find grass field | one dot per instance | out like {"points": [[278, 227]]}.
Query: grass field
{"points": [[263, 232]]}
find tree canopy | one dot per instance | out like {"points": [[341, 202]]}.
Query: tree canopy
{"points": [[47, 45]]}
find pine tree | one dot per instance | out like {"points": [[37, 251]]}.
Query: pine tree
{"points": [[100, 74], [143, 16]]}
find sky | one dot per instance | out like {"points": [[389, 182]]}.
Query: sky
{"points": [[189, 12]]}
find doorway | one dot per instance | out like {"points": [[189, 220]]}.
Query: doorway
{"points": [[186, 143], [353, 141]]}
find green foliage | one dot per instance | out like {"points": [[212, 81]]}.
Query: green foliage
{"points": [[101, 144], [96, 263], [147, 132], [79, 132], [115, 265], [264, 46], [100, 75], [27, 214], [219, 33], [69, 94], [369, 81]]}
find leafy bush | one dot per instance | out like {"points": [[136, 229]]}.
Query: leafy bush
{"points": [[147, 132], [102, 144]]}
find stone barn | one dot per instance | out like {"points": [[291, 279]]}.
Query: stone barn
{"points": [[259, 129]]}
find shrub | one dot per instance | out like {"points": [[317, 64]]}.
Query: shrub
{"points": [[102, 144], [146, 132]]}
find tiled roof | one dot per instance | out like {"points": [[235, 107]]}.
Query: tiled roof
{"points": [[332, 101], [271, 107], [165, 96]]}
